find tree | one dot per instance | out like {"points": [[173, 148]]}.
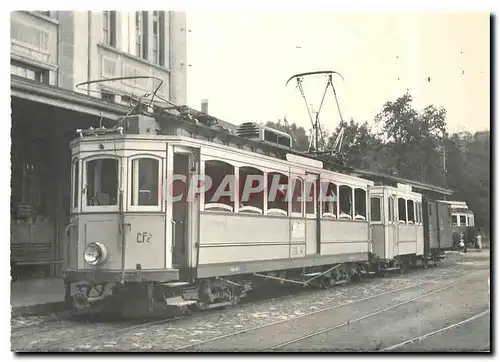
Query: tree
{"points": [[468, 172], [414, 139], [414, 145], [301, 142], [360, 145]]}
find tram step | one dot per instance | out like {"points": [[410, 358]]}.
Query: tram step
{"points": [[391, 268], [176, 284], [179, 302], [217, 305], [339, 282]]}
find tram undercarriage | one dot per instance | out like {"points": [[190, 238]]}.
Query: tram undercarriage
{"points": [[133, 299]]}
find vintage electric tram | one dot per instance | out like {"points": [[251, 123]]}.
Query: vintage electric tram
{"points": [[146, 232], [461, 216]]}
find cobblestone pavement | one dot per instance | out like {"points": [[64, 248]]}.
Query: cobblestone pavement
{"points": [[50, 334]]}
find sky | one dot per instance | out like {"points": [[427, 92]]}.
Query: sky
{"points": [[240, 61]]}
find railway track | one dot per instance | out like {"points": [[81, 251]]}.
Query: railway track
{"points": [[92, 335], [279, 324], [436, 332], [349, 322]]}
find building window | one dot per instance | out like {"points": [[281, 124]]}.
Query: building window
{"points": [[141, 34], [30, 72], [108, 97], [44, 13], [159, 37], [128, 101], [109, 28]]}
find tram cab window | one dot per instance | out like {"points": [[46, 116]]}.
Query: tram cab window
{"points": [[402, 210], [329, 204], [251, 190], [454, 220], [76, 180], [418, 218], [277, 201], [411, 211], [297, 204], [220, 195], [144, 178], [359, 204], [391, 208], [102, 182], [470, 220], [462, 220], [376, 209], [345, 202]]}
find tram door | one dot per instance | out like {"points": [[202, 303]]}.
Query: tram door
{"points": [[443, 213], [393, 227], [180, 212]]}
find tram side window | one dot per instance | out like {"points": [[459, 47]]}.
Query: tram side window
{"points": [[359, 204], [411, 211], [462, 220], [376, 209], [310, 191], [219, 197], [391, 208], [454, 220], [345, 202], [102, 182], [76, 178], [145, 181], [402, 210], [329, 205], [277, 202], [297, 196], [251, 190]]}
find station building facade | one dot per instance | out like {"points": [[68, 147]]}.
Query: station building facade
{"points": [[52, 52]]}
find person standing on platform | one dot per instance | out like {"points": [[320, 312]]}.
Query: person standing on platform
{"points": [[479, 245]]}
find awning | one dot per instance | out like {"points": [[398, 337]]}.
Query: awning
{"points": [[63, 98]]}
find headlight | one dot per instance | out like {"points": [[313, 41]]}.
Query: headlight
{"points": [[95, 253]]}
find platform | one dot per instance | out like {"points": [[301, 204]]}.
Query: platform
{"points": [[37, 294]]}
